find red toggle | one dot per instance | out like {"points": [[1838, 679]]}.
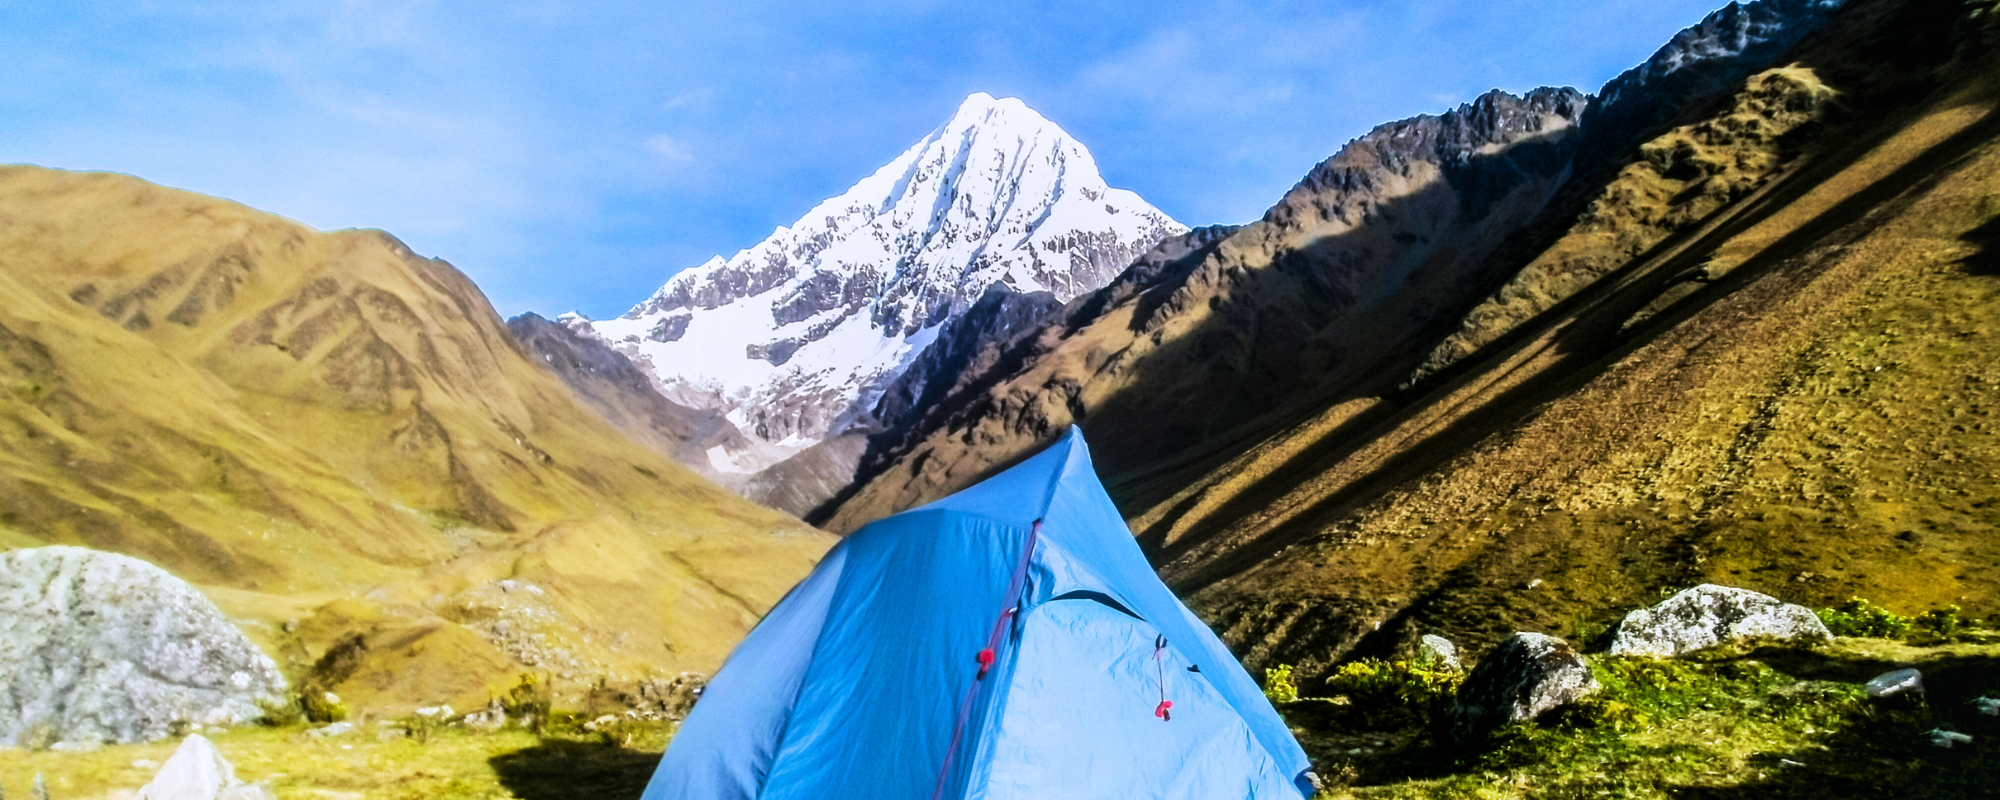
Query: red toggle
{"points": [[1162, 712], [985, 661]]}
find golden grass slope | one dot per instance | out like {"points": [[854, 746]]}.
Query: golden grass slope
{"points": [[287, 417], [1815, 420]]}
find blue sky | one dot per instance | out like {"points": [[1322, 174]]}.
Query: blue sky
{"points": [[573, 155]]}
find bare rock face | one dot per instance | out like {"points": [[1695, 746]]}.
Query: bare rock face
{"points": [[1527, 675], [99, 647], [1710, 616]]}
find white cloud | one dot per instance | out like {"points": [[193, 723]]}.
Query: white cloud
{"points": [[668, 148], [692, 98]]}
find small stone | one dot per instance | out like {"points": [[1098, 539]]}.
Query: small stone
{"points": [[492, 717], [1945, 739], [335, 729], [84, 746], [1436, 650], [1710, 616], [1527, 675], [1988, 706], [1889, 684]]}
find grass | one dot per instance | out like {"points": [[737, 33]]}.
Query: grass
{"points": [[329, 434], [1770, 724], [377, 761]]}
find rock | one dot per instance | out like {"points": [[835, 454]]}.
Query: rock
{"points": [[1525, 676], [99, 647], [492, 717], [675, 698], [336, 729], [82, 746], [198, 772], [1437, 650], [1708, 616], [1889, 684], [1945, 739]]}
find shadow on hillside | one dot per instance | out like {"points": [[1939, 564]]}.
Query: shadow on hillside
{"points": [[1987, 238], [1594, 339], [1887, 750], [559, 770]]}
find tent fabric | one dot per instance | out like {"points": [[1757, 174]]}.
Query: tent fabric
{"points": [[853, 685]]}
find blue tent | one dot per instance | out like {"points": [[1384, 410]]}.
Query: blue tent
{"points": [[1008, 641]]}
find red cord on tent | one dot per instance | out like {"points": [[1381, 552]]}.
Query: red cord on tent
{"points": [[1159, 660], [1010, 605]]}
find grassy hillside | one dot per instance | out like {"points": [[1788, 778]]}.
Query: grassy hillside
{"points": [[1791, 393], [289, 418]]}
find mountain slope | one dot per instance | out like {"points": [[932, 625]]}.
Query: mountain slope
{"points": [[628, 396], [287, 417], [1655, 366], [795, 338], [1224, 329], [1789, 395]]}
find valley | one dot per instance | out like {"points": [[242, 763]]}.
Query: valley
{"points": [[1527, 364]]}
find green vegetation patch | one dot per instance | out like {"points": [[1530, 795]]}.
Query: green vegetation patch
{"points": [[381, 759], [1772, 724]]}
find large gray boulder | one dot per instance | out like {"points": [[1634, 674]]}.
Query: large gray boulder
{"points": [[1527, 675], [1711, 616], [98, 647]]}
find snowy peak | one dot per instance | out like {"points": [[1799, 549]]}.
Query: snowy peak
{"points": [[797, 335]]}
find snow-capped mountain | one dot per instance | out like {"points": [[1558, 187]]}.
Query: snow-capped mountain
{"points": [[796, 337]]}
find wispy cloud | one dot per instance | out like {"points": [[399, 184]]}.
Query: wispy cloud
{"points": [[522, 138], [692, 98], [668, 148]]}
